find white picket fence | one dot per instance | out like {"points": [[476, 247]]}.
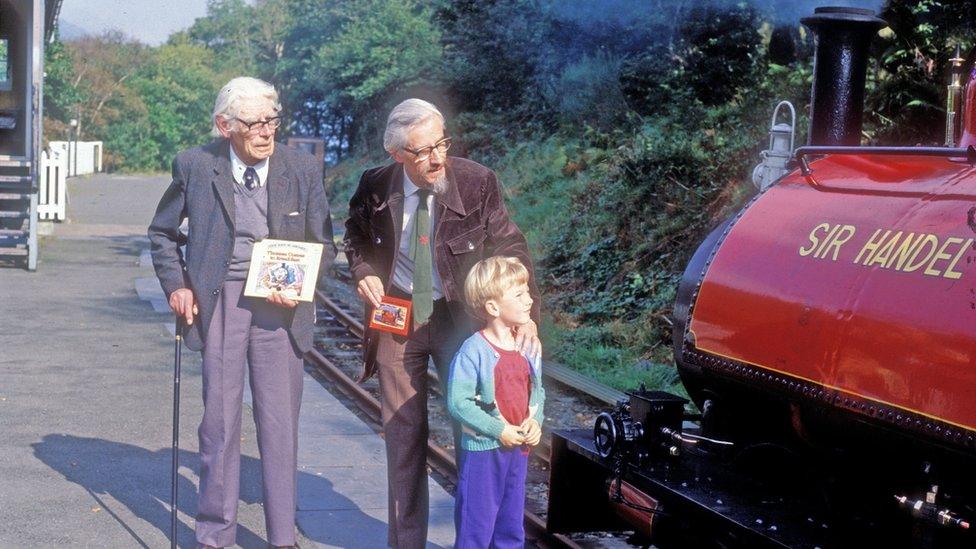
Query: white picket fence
{"points": [[52, 193], [84, 157], [62, 160]]}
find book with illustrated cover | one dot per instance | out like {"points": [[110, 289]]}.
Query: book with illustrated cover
{"points": [[393, 315], [285, 266]]}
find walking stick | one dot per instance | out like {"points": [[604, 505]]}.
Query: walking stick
{"points": [[176, 427]]}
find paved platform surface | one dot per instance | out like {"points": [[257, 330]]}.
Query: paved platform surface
{"points": [[86, 358]]}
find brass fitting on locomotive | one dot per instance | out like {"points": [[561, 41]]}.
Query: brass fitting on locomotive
{"points": [[953, 98]]}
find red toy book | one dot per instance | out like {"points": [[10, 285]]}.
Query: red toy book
{"points": [[393, 315]]}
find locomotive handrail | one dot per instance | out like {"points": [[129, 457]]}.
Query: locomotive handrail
{"points": [[969, 153]]}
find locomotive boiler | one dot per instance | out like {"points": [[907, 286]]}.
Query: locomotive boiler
{"points": [[827, 334]]}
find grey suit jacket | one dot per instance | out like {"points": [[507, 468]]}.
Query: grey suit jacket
{"points": [[202, 191]]}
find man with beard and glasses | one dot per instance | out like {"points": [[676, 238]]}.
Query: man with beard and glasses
{"points": [[415, 229]]}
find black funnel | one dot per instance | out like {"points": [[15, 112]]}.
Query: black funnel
{"points": [[840, 67]]}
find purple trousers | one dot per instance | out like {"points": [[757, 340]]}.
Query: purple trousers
{"points": [[249, 331], [490, 501]]}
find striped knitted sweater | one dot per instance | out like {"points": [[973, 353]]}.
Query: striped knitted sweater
{"points": [[471, 394]]}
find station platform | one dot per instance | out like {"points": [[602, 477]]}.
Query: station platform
{"points": [[86, 366]]}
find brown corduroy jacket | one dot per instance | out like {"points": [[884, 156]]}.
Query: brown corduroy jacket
{"points": [[471, 223]]}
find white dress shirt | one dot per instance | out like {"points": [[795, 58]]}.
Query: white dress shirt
{"points": [[403, 273], [237, 167]]}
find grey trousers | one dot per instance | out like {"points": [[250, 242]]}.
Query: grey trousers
{"points": [[248, 331], [402, 366]]}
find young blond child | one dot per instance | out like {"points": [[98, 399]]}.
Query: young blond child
{"points": [[496, 394]]}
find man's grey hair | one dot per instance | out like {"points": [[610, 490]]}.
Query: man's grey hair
{"points": [[404, 117], [238, 90]]}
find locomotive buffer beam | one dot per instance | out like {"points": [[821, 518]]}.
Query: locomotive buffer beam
{"points": [[698, 500]]}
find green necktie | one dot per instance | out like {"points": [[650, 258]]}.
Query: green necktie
{"points": [[423, 283]]}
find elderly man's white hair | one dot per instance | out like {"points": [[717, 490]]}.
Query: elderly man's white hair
{"points": [[403, 118], [237, 91]]}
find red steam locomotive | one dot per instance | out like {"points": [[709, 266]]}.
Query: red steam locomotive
{"points": [[827, 332]]}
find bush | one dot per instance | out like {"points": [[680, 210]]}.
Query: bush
{"points": [[588, 93], [720, 51], [539, 179], [648, 80]]}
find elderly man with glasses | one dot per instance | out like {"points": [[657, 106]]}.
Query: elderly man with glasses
{"points": [[237, 190], [415, 229]]}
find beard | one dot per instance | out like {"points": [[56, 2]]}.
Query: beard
{"points": [[439, 185]]}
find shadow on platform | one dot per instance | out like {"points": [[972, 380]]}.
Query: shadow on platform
{"points": [[139, 479]]}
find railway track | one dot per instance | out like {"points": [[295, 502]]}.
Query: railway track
{"points": [[342, 330]]}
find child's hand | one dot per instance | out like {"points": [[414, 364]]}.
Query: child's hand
{"points": [[511, 437], [532, 431]]}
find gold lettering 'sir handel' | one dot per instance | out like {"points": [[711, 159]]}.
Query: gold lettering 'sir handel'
{"points": [[900, 251]]}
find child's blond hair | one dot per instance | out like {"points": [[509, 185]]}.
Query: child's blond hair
{"points": [[489, 279]]}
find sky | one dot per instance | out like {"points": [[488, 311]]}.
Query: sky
{"points": [[149, 21]]}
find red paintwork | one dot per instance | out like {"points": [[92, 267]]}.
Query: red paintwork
{"points": [[901, 338]]}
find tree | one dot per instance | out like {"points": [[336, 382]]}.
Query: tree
{"points": [[380, 50], [245, 39], [61, 93], [102, 66], [178, 86], [492, 52], [144, 103]]}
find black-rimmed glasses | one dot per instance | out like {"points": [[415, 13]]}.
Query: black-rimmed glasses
{"points": [[271, 123], [424, 153]]}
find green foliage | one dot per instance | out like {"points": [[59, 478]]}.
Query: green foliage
{"points": [[144, 104], [649, 80], [341, 181], [96, 93], [539, 179], [589, 93], [492, 52], [227, 32], [905, 98], [716, 53], [61, 94], [720, 50], [177, 87], [380, 49], [588, 350], [311, 24]]}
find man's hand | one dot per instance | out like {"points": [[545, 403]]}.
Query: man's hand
{"points": [[532, 431], [370, 289], [527, 339], [277, 299], [183, 304], [511, 437]]}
